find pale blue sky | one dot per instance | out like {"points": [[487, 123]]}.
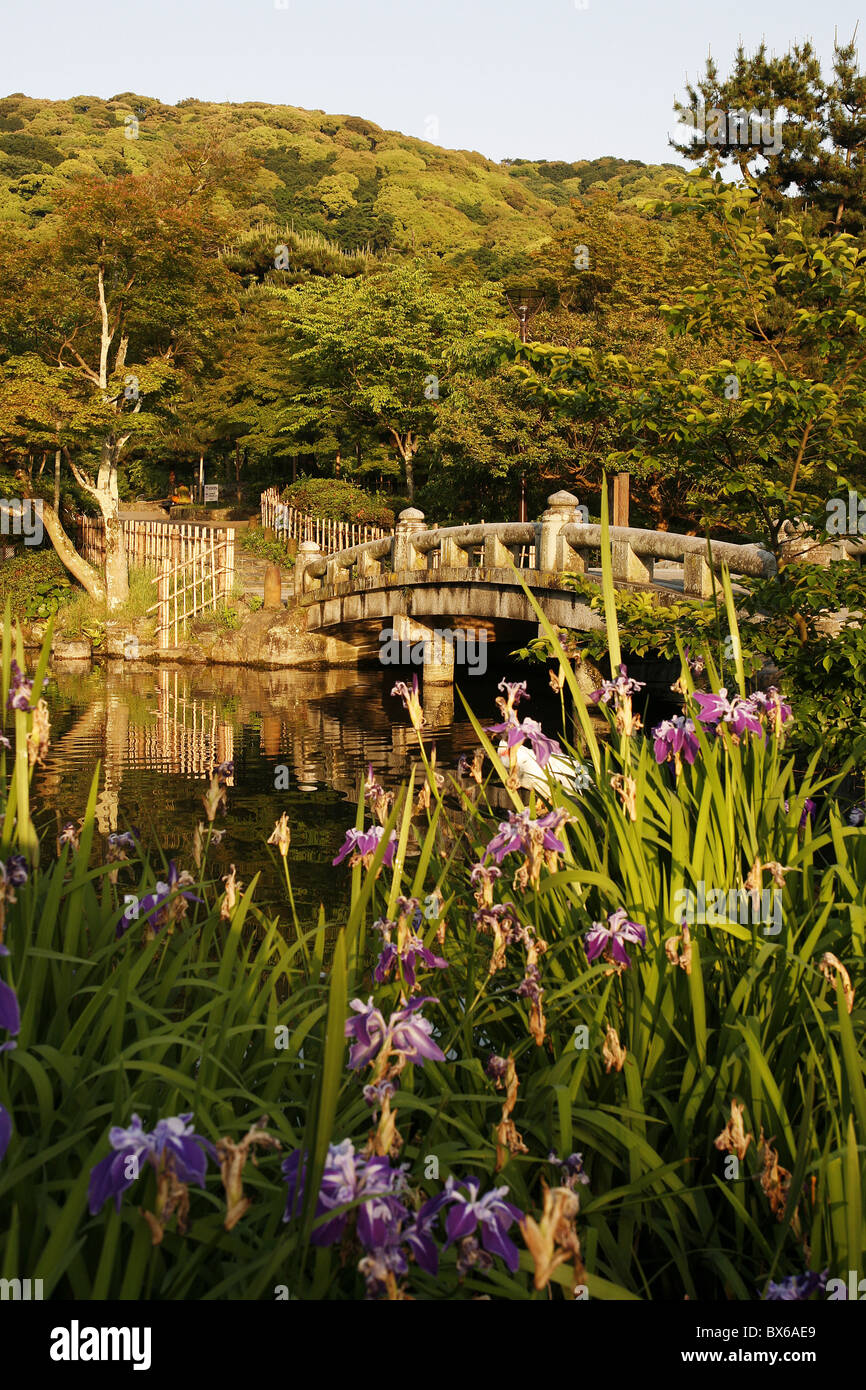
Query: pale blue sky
{"points": [[534, 78]]}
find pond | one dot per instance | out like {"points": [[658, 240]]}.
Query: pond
{"points": [[156, 732]]}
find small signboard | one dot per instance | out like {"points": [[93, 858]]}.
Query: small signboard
{"points": [[211, 492]]}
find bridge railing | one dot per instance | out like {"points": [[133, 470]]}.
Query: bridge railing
{"points": [[556, 544]]}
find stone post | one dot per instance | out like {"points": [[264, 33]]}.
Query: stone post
{"points": [[697, 576], [628, 565], [560, 512], [273, 587], [496, 555], [403, 553], [308, 551], [438, 651]]}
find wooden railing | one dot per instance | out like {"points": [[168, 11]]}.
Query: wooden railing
{"points": [[201, 581], [556, 544], [148, 543], [187, 736], [328, 535]]}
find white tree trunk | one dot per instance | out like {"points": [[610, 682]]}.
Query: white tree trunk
{"points": [[78, 567]]}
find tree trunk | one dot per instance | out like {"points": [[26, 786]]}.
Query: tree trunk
{"points": [[116, 567], [87, 576], [57, 457]]}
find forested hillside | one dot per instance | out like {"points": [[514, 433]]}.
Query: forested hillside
{"points": [[341, 176]]}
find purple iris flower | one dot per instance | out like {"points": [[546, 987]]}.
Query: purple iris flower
{"points": [[675, 738], [152, 904], [741, 716], [857, 815], [467, 1211], [796, 1288], [348, 1178], [403, 1034], [5, 1130], [518, 731], [807, 813], [770, 702], [385, 1225], [571, 1169], [601, 938], [127, 840], [514, 692], [412, 951], [616, 690], [361, 843], [418, 1234], [10, 1015], [514, 834], [172, 1143], [15, 870], [496, 1067], [20, 690]]}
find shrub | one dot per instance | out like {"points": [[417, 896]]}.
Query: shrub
{"points": [[255, 542], [35, 582], [337, 500]]}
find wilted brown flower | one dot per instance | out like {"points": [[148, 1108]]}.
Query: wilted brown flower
{"points": [[508, 1141], [553, 1240], [832, 969], [232, 1160], [282, 835], [613, 1052], [626, 790], [172, 1196], [775, 1180], [214, 799], [39, 738], [678, 949], [733, 1138], [233, 887]]}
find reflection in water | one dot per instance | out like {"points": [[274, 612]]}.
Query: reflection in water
{"points": [[157, 733]]}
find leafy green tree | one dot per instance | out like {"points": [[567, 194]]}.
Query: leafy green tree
{"points": [[762, 435], [117, 303], [372, 358], [814, 156]]}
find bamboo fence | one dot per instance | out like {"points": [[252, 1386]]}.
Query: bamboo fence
{"points": [[328, 535], [148, 543], [188, 736]]}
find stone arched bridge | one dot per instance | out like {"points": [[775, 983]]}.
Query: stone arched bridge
{"points": [[461, 577]]}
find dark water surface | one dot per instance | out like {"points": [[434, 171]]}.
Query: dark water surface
{"points": [[155, 733]]}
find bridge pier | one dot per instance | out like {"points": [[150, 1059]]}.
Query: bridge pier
{"points": [[437, 652]]}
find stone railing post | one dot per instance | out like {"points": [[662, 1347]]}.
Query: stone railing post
{"points": [[453, 555], [308, 552], [627, 565], [560, 511], [367, 567], [403, 553], [496, 555], [697, 576]]}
